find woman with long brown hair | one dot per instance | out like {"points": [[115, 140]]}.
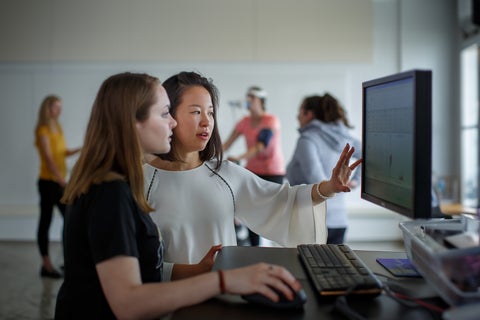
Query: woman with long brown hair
{"points": [[114, 252]]}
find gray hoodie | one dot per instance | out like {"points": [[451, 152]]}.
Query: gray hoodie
{"points": [[315, 155]]}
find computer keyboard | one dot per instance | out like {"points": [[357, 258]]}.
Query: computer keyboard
{"points": [[335, 269]]}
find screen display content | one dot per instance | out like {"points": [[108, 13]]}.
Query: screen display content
{"points": [[396, 151]]}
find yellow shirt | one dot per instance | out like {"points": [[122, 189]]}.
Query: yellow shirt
{"points": [[58, 149]]}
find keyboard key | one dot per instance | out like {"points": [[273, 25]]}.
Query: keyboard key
{"points": [[337, 270]]}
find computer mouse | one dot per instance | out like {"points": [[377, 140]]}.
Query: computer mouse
{"points": [[300, 298]]}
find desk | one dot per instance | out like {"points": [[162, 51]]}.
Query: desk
{"points": [[381, 307]]}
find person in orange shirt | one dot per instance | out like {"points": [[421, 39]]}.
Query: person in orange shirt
{"points": [[52, 150], [262, 136]]}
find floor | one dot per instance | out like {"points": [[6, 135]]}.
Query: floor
{"points": [[25, 295]]}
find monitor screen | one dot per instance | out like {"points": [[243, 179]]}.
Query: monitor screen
{"points": [[396, 146]]}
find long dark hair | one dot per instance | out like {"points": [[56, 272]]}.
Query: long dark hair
{"points": [[325, 108], [175, 87]]}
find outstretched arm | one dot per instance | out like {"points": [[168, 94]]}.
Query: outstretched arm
{"points": [[251, 152], [71, 152], [263, 140], [231, 139]]}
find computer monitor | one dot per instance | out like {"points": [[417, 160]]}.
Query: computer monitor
{"points": [[397, 140]]}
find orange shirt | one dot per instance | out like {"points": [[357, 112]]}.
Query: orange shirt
{"points": [[270, 160]]}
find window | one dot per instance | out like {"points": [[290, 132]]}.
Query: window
{"points": [[469, 96]]}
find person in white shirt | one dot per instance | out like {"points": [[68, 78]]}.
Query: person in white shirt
{"points": [[197, 195], [113, 250]]}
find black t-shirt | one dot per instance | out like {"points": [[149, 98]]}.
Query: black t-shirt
{"points": [[104, 223]]}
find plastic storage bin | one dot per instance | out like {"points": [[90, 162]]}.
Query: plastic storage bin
{"points": [[453, 272]]}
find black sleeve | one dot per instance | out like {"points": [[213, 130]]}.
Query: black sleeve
{"points": [[111, 225]]}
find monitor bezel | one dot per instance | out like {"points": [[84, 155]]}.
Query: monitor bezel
{"points": [[422, 152]]}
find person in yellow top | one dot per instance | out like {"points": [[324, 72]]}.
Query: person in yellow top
{"points": [[53, 151]]}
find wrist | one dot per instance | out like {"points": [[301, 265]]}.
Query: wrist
{"points": [[204, 267], [323, 195], [221, 278]]}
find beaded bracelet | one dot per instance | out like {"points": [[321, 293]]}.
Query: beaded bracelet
{"points": [[222, 281], [322, 196]]}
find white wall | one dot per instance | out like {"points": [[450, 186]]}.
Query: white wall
{"points": [[186, 30], [400, 35]]}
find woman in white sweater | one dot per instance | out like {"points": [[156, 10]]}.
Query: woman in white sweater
{"points": [[196, 194]]}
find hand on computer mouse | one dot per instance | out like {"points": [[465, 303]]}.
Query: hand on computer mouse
{"points": [[300, 298], [265, 279]]}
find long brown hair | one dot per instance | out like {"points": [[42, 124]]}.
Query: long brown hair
{"points": [[112, 148], [44, 116]]}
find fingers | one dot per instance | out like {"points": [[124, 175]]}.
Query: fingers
{"points": [[213, 250], [272, 281], [349, 154], [344, 153], [342, 170], [355, 164], [279, 281], [345, 157], [216, 248], [209, 257]]}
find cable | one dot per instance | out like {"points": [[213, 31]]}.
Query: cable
{"points": [[411, 302], [341, 305]]}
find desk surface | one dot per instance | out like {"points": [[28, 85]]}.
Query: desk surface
{"points": [[381, 307]]}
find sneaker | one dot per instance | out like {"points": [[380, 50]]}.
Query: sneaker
{"points": [[54, 274]]}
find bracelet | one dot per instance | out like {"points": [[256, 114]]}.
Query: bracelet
{"points": [[222, 282], [322, 196]]}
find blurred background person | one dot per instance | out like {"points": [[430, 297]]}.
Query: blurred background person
{"points": [[262, 136], [52, 150], [324, 131]]}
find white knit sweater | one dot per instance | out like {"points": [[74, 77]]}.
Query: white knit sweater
{"points": [[195, 210]]}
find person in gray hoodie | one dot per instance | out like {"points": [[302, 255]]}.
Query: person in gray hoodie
{"points": [[324, 131]]}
